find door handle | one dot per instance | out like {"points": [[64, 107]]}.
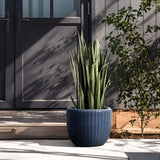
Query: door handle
{"points": [[4, 19], [20, 20]]}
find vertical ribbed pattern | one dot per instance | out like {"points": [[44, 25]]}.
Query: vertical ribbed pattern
{"points": [[95, 128], [89, 127]]}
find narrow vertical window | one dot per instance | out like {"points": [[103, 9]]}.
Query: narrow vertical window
{"points": [[2, 8]]}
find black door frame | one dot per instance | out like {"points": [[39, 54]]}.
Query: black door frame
{"points": [[7, 57], [81, 22]]}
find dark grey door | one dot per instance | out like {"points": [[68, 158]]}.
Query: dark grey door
{"points": [[6, 54], [46, 32]]}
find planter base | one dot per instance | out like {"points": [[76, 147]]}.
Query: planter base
{"points": [[89, 127]]}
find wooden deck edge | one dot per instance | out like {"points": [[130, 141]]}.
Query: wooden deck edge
{"points": [[33, 125], [55, 131]]}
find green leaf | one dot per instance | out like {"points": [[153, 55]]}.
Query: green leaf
{"points": [[87, 75], [73, 69], [82, 104], [92, 79], [98, 93], [73, 102], [105, 66], [102, 102], [91, 100]]}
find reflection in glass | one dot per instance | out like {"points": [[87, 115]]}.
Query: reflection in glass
{"points": [[36, 8], [43, 8], [2, 8], [65, 8]]}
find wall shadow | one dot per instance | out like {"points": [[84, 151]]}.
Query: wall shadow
{"points": [[46, 49]]}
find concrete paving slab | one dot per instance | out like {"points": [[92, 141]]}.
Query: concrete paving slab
{"points": [[67, 150], [21, 150], [114, 149]]}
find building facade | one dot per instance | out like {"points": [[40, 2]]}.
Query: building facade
{"points": [[36, 39]]}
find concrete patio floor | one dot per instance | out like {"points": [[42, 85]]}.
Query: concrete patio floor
{"points": [[114, 149]]}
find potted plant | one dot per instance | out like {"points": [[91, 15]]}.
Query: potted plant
{"points": [[89, 122]]}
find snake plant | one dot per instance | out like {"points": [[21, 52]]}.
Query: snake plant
{"points": [[90, 74]]}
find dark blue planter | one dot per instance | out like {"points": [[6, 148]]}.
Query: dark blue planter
{"points": [[89, 127]]}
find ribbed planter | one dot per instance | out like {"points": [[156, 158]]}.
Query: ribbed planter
{"points": [[89, 127]]}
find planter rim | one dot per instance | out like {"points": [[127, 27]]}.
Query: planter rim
{"points": [[88, 110]]}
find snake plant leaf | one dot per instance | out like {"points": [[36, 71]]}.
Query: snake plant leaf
{"points": [[97, 48], [82, 97], [73, 69], [82, 51], [105, 78], [100, 62], [92, 83], [97, 95], [103, 99], [93, 51], [97, 52], [105, 66], [73, 102], [92, 105], [87, 75], [104, 59], [96, 66], [78, 83]]}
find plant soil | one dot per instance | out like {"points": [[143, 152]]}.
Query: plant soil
{"points": [[128, 135]]}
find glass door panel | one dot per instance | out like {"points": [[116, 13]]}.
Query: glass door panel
{"points": [[2, 8], [51, 8], [65, 8], [36, 8]]}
